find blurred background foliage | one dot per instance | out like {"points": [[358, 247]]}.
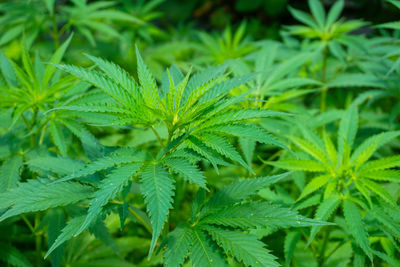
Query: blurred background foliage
{"points": [[111, 28]]}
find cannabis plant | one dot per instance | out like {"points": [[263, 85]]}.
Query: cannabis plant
{"points": [[329, 37], [346, 175], [94, 18], [216, 49], [200, 119], [32, 91], [217, 148], [327, 29], [216, 226], [23, 17], [279, 78]]}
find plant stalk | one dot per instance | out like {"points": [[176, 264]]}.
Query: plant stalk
{"points": [[321, 254], [157, 135], [38, 242]]}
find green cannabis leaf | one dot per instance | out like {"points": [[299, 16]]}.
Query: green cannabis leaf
{"points": [[345, 173]]}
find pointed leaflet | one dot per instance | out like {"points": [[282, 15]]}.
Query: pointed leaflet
{"points": [[303, 17], [283, 69], [236, 115], [120, 156], [243, 246], [239, 191], [111, 185], [147, 82], [157, 188], [348, 128], [197, 204], [289, 83], [291, 240], [56, 219], [258, 214], [387, 221], [334, 13], [79, 130], [383, 175], [67, 233], [102, 82], [195, 97], [310, 149], [8, 71], [248, 147], [10, 173], [58, 137], [356, 226], [363, 190], [200, 79], [176, 76], [315, 184], [116, 73], [223, 147], [298, 165], [250, 131], [55, 59], [28, 67], [187, 170], [36, 195], [379, 190], [207, 153], [355, 80], [336, 50], [309, 134], [366, 149], [318, 12], [330, 149], [179, 243], [170, 98], [205, 253], [175, 93], [381, 164], [170, 146], [106, 108], [222, 88], [324, 212], [57, 165], [101, 232]]}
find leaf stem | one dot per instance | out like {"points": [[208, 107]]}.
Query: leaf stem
{"points": [[336, 248], [321, 254], [28, 223], [157, 135], [38, 242], [32, 124], [134, 214], [145, 224], [26, 122]]}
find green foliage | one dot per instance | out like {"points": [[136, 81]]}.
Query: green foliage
{"points": [[345, 174], [108, 158], [231, 45], [326, 27], [214, 227], [37, 195]]}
